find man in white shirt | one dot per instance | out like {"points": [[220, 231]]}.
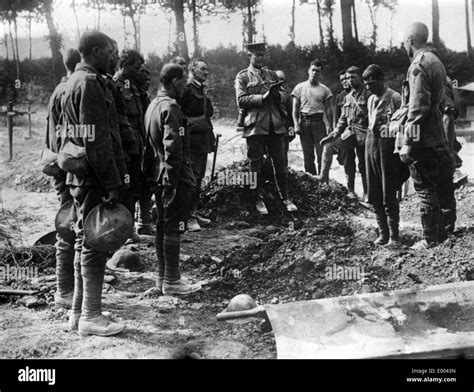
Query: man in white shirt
{"points": [[311, 101]]}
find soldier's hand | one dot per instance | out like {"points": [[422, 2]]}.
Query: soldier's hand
{"points": [[298, 129], [112, 198], [405, 153], [168, 196], [330, 137]]}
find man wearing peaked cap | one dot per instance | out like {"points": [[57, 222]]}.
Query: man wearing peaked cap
{"points": [[259, 96]]}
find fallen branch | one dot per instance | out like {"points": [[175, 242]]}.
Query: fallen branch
{"points": [[17, 292]]}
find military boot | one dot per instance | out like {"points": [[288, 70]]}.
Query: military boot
{"points": [[350, 186], [383, 229]]}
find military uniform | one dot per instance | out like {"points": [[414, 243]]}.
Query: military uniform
{"points": [[264, 125], [432, 167], [135, 115], [385, 172], [64, 247], [88, 101], [352, 132], [202, 139], [167, 167]]}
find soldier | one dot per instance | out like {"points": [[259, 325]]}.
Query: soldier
{"points": [[130, 144], [167, 166], [197, 107], [287, 109], [311, 101], [87, 102], [143, 85], [127, 77], [181, 61], [119, 125], [64, 247], [346, 89], [259, 95], [424, 142], [385, 172], [349, 135]]}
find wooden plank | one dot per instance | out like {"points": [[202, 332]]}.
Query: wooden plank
{"points": [[430, 322]]}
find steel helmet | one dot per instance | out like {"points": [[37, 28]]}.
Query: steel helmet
{"points": [[107, 228], [65, 220]]}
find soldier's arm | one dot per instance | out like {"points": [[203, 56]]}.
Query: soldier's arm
{"points": [[99, 152], [173, 146], [396, 101], [328, 109], [296, 113], [343, 121], [245, 100], [419, 104]]}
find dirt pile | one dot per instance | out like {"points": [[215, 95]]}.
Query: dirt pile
{"points": [[223, 200], [330, 257]]}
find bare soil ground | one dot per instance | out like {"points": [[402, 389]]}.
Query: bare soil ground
{"points": [[276, 260]]}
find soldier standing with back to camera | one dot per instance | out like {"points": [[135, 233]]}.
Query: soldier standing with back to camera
{"points": [[197, 107], [167, 167], [424, 143], [258, 95], [64, 247], [87, 102]]}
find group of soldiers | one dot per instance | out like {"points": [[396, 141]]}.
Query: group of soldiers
{"points": [[391, 135], [157, 149], [139, 150]]}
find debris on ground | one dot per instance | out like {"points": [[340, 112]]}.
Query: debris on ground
{"points": [[223, 202]]}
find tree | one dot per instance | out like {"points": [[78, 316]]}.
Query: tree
{"points": [[435, 23], [468, 30], [346, 19], [328, 10], [131, 9], [9, 12], [292, 25], [55, 39]]}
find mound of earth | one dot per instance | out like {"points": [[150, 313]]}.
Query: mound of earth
{"points": [[223, 201]]}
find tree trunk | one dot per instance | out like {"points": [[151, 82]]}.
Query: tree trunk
{"points": [[29, 36], [5, 41], [11, 39], [17, 51], [54, 41], [73, 5], [373, 10], [292, 26], [124, 25], [331, 28], [197, 49], [468, 30], [321, 34], [346, 18], [182, 43], [435, 23], [250, 30], [136, 37], [354, 19], [98, 14]]}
